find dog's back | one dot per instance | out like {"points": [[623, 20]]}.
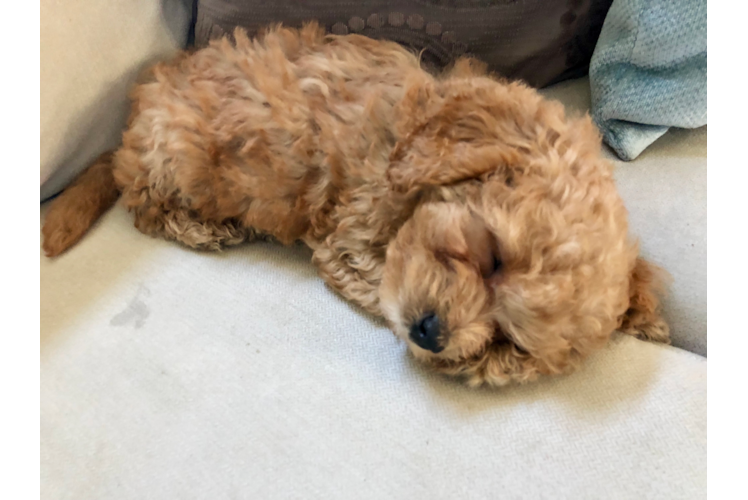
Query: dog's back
{"points": [[216, 134]]}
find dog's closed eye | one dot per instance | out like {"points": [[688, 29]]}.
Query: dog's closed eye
{"points": [[496, 266], [483, 247], [491, 264]]}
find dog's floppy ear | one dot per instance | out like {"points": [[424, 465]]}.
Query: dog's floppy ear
{"points": [[443, 137], [642, 318], [422, 99]]}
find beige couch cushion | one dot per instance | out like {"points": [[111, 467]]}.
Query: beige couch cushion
{"points": [[91, 53], [173, 374]]}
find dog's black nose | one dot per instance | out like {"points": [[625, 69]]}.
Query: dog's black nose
{"points": [[425, 333]]}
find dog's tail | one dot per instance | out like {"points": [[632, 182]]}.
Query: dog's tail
{"points": [[79, 206]]}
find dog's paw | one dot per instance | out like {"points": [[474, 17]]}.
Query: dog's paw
{"points": [[657, 331]]}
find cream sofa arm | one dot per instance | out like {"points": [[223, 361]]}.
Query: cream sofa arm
{"points": [[91, 53]]}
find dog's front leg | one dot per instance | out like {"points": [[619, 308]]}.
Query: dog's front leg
{"points": [[359, 284]]}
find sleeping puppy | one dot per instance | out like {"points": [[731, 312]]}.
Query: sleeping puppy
{"points": [[471, 213]]}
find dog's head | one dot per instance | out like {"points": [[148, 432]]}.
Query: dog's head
{"points": [[516, 261]]}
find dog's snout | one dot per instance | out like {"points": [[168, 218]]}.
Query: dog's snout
{"points": [[425, 333]]}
